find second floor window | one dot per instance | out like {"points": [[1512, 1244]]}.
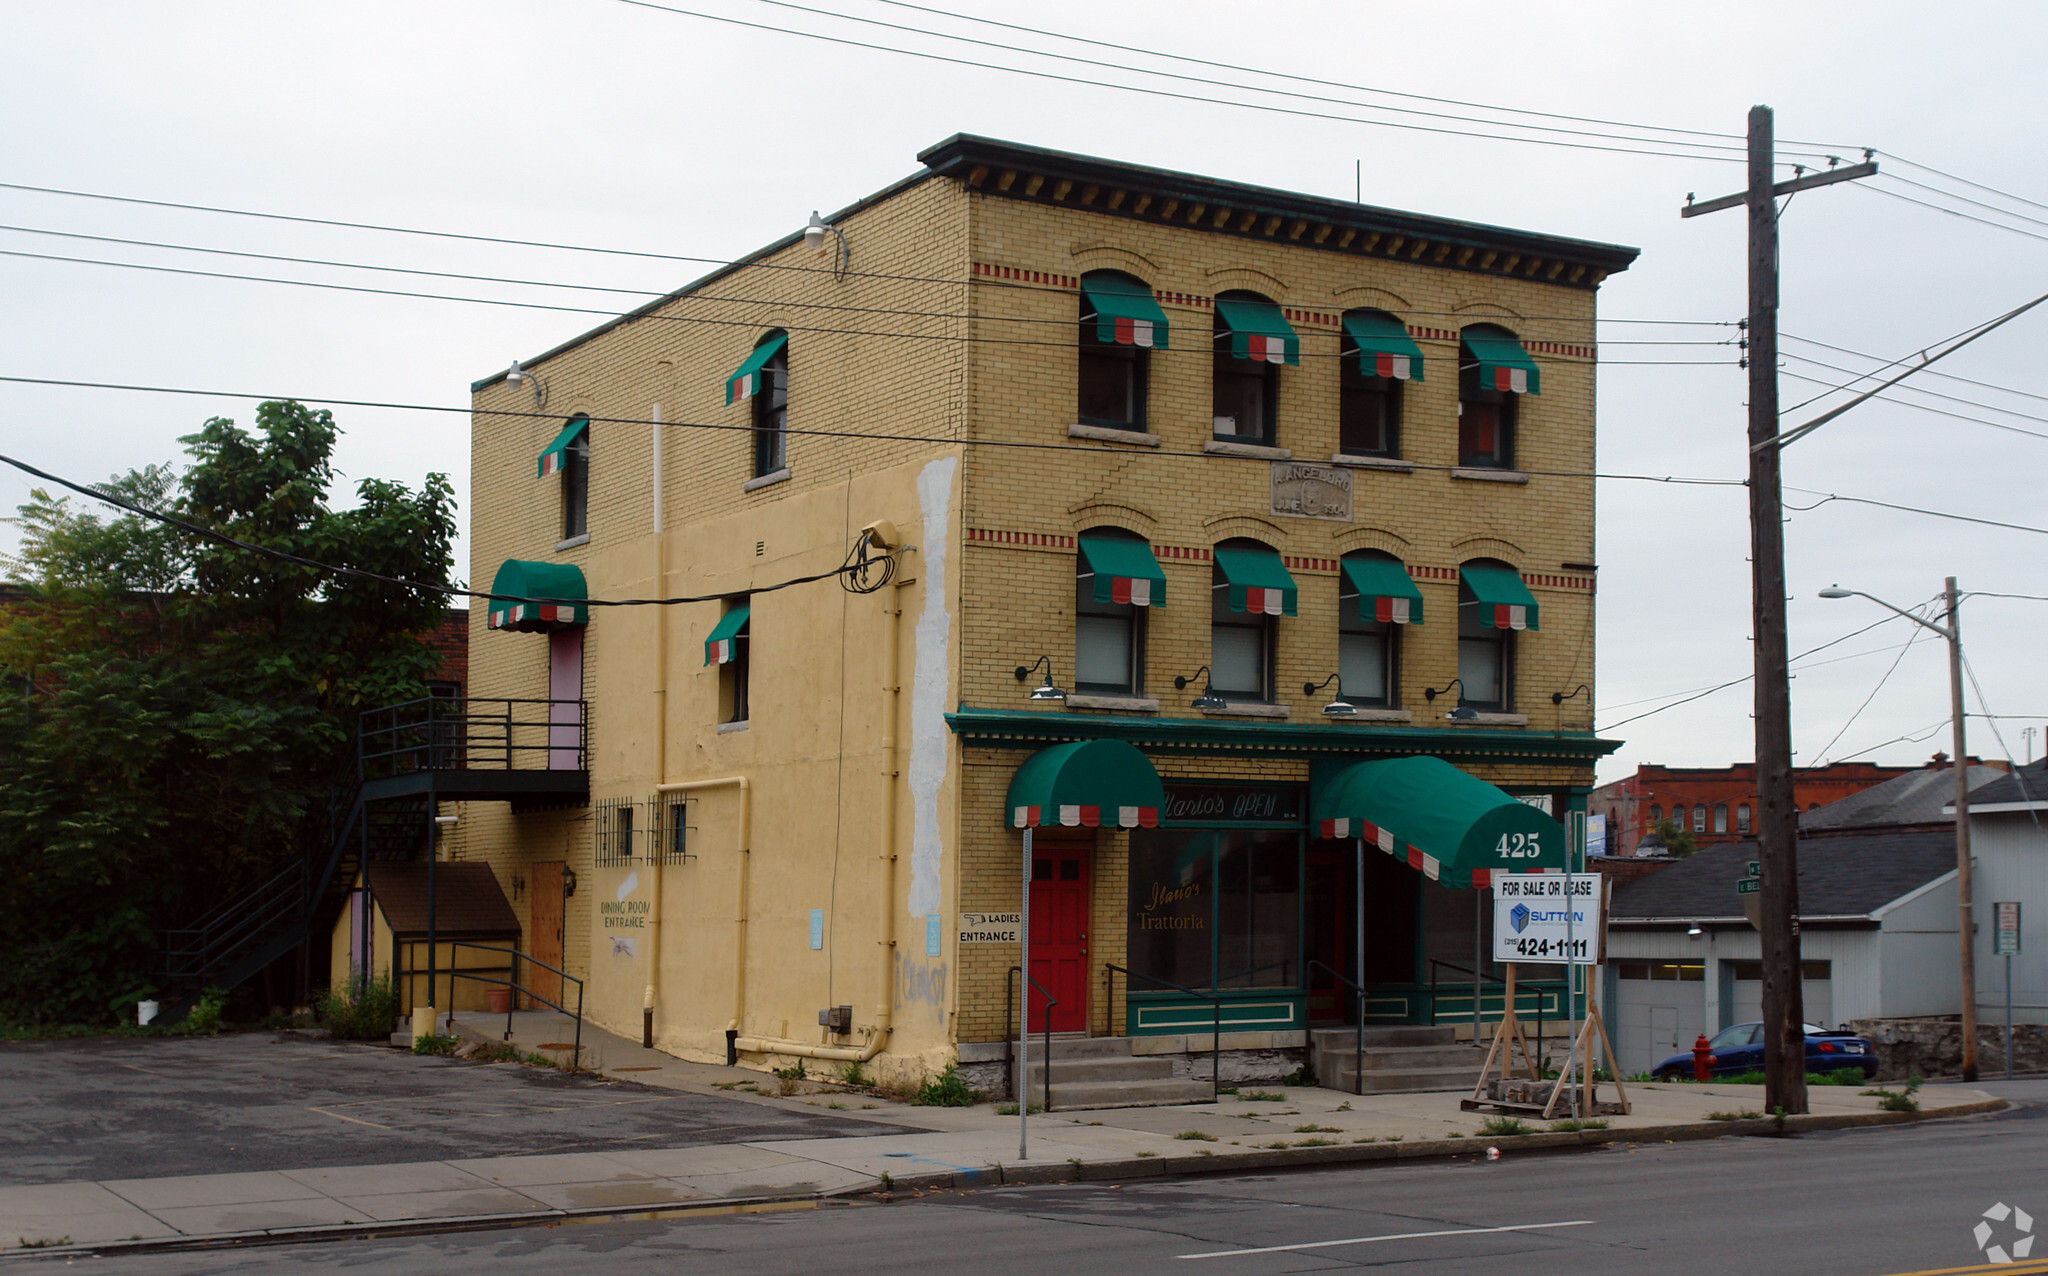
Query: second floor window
{"points": [[1121, 325], [1117, 581], [730, 647], [1250, 587], [1253, 339], [771, 416], [1742, 818], [1375, 600], [576, 487]]}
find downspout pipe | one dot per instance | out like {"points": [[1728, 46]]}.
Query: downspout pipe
{"points": [[659, 855]]}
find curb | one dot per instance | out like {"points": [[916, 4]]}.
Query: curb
{"points": [[1162, 1167]]}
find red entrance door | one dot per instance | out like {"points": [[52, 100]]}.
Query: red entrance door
{"points": [[1059, 936]]}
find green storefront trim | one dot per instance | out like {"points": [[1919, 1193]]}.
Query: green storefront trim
{"points": [[1161, 1014], [1451, 1003]]}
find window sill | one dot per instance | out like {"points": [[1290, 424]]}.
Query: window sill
{"points": [[727, 728], [1490, 720], [1129, 704], [1249, 710], [572, 542], [1110, 434], [1377, 715], [1488, 476], [1387, 463], [766, 480], [1219, 447]]}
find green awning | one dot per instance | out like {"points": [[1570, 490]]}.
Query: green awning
{"points": [[1504, 601], [745, 382], [1086, 784], [724, 643], [1125, 313], [1125, 571], [555, 455], [1259, 582], [1456, 828], [1385, 593], [1258, 331], [1503, 364], [538, 598], [1384, 347]]}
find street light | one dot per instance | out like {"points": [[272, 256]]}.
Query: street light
{"points": [[1953, 633]]}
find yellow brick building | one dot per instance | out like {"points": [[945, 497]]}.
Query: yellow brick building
{"points": [[1269, 486]]}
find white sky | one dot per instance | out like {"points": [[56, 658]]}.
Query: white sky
{"points": [[595, 122]]}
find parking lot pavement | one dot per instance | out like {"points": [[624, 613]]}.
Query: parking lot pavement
{"points": [[127, 1108]]}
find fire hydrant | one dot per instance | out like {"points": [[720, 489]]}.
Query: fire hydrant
{"points": [[1702, 1060]]}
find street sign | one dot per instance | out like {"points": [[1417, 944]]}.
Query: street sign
{"points": [[1756, 868], [1749, 886], [2007, 936], [1531, 921]]}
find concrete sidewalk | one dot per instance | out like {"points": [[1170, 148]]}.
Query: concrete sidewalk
{"points": [[937, 1148]]}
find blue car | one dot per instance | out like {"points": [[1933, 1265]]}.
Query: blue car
{"points": [[1741, 1049]]}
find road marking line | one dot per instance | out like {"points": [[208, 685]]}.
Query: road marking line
{"points": [[1399, 1236], [341, 1117], [2033, 1268]]}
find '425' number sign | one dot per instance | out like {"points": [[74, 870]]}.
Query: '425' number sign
{"points": [[1519, 846]]}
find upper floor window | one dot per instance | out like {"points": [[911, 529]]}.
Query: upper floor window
{"points": [[764, 378], [1377, 356], [1720, 818], [1116, 583], [1249, 588], [1252, 340], [1656, 815], [1699, 819], [1493, 373], [1120, 325], [730, 647], [576, 485], [1742, 818], [1375, 599], [1493, 604]]}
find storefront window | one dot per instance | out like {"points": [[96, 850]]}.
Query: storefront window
{"points": [[1258, 909], [1172, 905]]}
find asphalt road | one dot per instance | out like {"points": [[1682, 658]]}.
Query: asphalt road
{"points": [[115, 1108], [1886, 1200]]}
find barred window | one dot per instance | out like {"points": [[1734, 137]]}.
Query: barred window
{"points": [[671, 829], [615, 821]]}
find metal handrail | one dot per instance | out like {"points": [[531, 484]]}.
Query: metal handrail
{"points": [[1109, 973], [1284, 964], [1358, 994], [1480, 980], [512, 982], [191, 951], [442, 733], [1009, 1047]]}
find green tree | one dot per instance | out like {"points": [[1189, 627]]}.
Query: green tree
{"points": [[182, 710], [1676, 837]]}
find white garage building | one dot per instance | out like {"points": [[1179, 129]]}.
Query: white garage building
{"points": [[2009, 842], [1877, 938]]}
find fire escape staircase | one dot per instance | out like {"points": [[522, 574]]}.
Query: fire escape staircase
{"points": [[409, 758]]}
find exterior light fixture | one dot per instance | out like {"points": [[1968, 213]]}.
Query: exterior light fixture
{"points": [[1559, 697], [1338, 707], [1208, 699], [1695, 932], [814, 236], [568, 881], [1045, 690], [516, 375], [1459, 714], [445, 821]]}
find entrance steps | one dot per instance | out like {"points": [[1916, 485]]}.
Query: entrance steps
{"points": [[1397, 1059], [1101, 1072]]}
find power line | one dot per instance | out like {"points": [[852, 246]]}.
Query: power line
{"points": [[1985, 593], [1929, 372], [1910, 389], [2018, 773], [1911, 509], [1952, 212], [649, 314], [1736, 682], [1923, 407], [1892, 669], [1817, 664], [2002, 212], [1926, 168]]}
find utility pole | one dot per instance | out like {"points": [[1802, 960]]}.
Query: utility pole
{"points": [[1964, 891], [1777, 827]]}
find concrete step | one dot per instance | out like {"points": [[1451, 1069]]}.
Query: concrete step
{"points": [[1385, 1036], [1129, 1094], [1083, 1047], [1101, 1068], [1401, 1057], [1402, 1080]]}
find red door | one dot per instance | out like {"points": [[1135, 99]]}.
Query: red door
{"points": [[1059, 936]]}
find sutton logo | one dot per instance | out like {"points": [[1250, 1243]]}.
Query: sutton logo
{"points": [[2022, 1223], [1519, 915]]}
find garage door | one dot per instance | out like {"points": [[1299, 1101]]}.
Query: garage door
{"points": [[1660, 1007], [1817, 992]]}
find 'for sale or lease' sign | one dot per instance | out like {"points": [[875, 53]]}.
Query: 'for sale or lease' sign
{"points": [[1549, 917]]}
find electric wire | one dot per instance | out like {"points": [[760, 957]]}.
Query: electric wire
{"points": [[1913, 737], [2002, 212], [1952, 212], [1857, 377], [1924, 407], [1930, 372], [2018, 773], [1736, 682], [1815, 664], [1826, 497], [1887, 677], [1926, 168]]}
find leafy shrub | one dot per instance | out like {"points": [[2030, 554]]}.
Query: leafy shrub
{"points": [[359, 1009], [1902, 1099], [204, 1019], [855, 1076], [794, 1072], [947, 1090], [431, 1044]]}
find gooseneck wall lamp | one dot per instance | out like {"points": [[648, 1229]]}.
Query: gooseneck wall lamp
{"points": [[814, 235], [1338, 707], [1045, 690], [1459, 714], [1559, 697], [516, 375], [1208, 699]]}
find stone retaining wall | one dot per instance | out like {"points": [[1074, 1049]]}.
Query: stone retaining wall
{"points": [[1932, 1046]]}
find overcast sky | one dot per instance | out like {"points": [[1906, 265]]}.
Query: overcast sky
{"points": [[603, 123]]}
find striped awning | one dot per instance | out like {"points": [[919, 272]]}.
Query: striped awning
{"points": [[555, 456], [1503, 364], [1504, 601], [1125, 571], [1452, 827], [745, 382], [1125, 313], [723, 646], [537, 598], [1383, 346], [1385, 593], [1258, 581], [1085, 784], [1258, 331]]}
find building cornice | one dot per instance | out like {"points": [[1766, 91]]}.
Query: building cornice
{"points": [[1029, 729], [1158, 196]]}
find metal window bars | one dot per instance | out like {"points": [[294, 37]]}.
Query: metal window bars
{"points": [[615, 827], [670, 834]]}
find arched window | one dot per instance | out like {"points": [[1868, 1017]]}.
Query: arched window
{"points": [[1120, 326], [1252, 340], [1678, 815], [1116, 582], [771, 409], [576, 484], [1742, 818], [1369, 624], [1656, 815], [1721, 817], [1485, 651], [1376, 356], [1486, 411]]}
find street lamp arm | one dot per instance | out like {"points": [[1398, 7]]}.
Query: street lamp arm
{"points": [[1923, 622]]}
